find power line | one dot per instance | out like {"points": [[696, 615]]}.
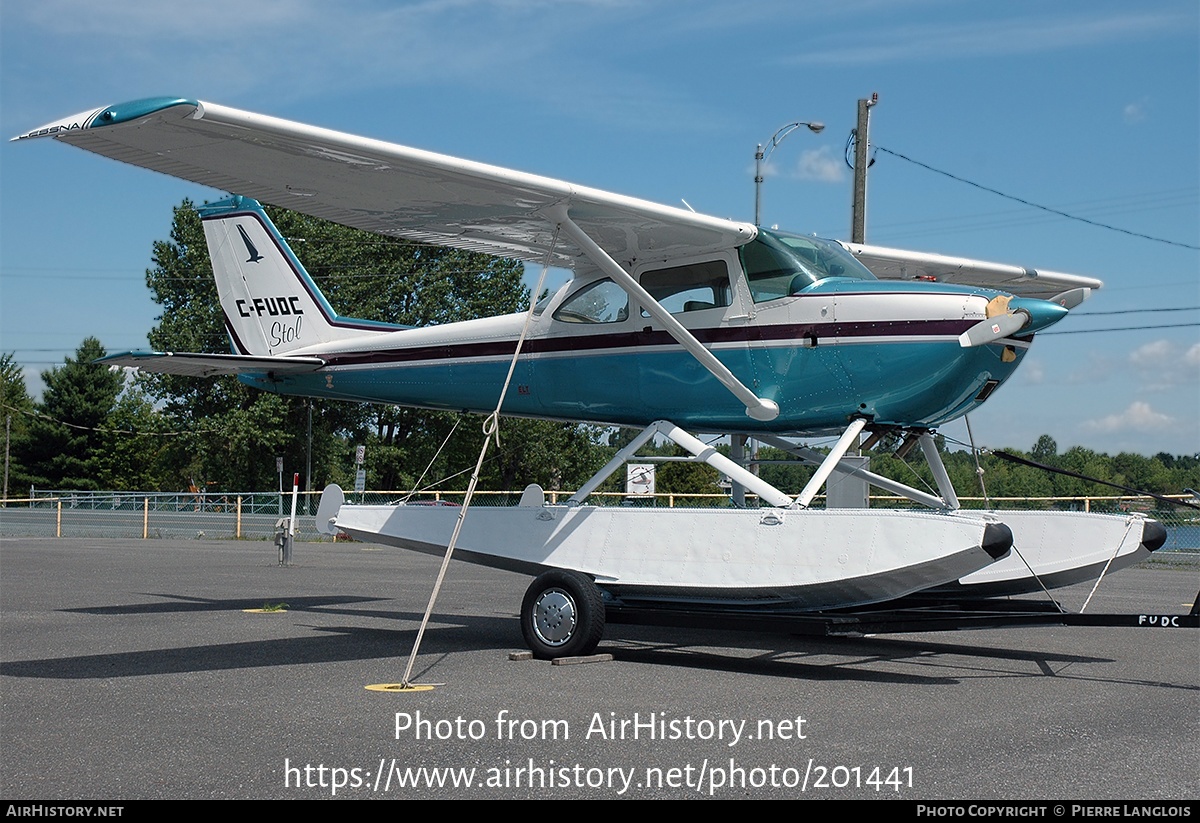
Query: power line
{"points": [[1020, 217], [32, 413], [1125, 328], [1132, 311], [25, 273], [1035, 205]]}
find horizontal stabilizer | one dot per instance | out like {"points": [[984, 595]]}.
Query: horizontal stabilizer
{"points": [[192, 364]]}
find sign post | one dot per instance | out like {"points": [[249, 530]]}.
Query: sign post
{"points": [[360, 476]]}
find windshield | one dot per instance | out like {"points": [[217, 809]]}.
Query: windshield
{"points": [[779, 264]]}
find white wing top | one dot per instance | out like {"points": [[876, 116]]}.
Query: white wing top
{"points": [[382, 187], [400, 191]]}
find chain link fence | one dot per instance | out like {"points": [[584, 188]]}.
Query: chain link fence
{"points": [[254, 515]]}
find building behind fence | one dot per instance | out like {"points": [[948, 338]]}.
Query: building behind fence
{"points": [[253, 515]]}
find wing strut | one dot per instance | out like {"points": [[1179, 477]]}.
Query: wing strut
{"points": [[756, 407]]}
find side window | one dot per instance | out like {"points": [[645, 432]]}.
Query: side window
{"points": [[693, 287], [602, 302]]}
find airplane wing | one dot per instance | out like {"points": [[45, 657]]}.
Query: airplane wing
{"points": [[898, 264], [396, 190], [191, 364], [383, 187]]}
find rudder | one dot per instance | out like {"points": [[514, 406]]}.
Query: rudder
{"points": [[270, 303]]}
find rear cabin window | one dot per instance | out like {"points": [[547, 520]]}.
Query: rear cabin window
{"points": [[694, 287]]}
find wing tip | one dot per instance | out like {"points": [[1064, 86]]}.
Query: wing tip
{"points": [[108, 116]]}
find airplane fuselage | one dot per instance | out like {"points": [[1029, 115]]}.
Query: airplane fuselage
{"points": [[839, 349], [714, 324]]}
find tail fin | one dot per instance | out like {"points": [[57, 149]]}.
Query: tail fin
{"points": [[271, 305]]}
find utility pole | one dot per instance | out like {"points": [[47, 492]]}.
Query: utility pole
{"points": [[862, 144], [862, 161]]}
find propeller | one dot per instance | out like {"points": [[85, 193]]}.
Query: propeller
{"points": [[1072, 298], [999, 323]]}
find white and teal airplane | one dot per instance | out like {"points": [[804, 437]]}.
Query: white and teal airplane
{"points": [[674, 321]]}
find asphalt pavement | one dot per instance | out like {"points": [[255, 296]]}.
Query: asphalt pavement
{"points": [[131, 669]]}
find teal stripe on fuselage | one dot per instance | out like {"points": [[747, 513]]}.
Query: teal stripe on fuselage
{"points": [[921, 382]]}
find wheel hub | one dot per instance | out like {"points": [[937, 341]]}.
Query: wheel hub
{"points": [[554, 617]]}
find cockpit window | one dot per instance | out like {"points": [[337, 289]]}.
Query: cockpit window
{"points": [[601, 302], [780, 264]]}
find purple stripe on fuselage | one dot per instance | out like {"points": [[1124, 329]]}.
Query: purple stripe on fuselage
{"points": [[646, 339]]}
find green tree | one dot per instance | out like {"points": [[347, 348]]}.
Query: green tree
{"points": [[1045, 448], [66, 442], [239, 430], [16, 407], [135, 445]]}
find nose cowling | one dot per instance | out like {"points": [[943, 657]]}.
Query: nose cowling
{"points": [[1008, 316], [1042, 313]]}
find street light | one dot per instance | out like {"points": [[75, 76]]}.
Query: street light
{"points": [[759, 159]]}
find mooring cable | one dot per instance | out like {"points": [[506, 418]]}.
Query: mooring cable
{"points": [[491, 429]]}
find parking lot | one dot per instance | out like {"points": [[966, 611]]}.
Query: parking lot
{"points": [[130, 669]]}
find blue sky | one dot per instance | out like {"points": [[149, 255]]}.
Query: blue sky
{"points": [[1088, 107]]}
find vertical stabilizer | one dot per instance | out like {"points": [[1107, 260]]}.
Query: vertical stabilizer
{"points": [[271, 305]]}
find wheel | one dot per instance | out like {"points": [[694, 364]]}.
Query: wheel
{"points": [[562, 615]]}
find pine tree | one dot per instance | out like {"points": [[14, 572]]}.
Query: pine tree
{"points": [[66, 442], [15, 409]]}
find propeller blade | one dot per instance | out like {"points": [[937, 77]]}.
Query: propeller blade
{"points": [[993, 328], [1071, 299]]}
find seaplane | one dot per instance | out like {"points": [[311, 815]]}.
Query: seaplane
{"points": [[675, 323]]}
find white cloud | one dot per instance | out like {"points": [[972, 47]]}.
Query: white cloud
{"points": [[1033, 372], [1134, 112], [821, 165], [1192, 358], [1162, 364], [1139, 417], [295, 50], [131, 19], [1153, 355], [940, 41], [1098, 368]]}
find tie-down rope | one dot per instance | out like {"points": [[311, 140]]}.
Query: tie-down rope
{"points": [[491, 429]]}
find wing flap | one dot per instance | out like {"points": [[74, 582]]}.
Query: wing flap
{"points": [[383, 187], [192, 364], [899, 264]]}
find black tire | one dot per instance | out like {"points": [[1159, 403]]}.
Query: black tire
{"points": [[562, 615]]}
